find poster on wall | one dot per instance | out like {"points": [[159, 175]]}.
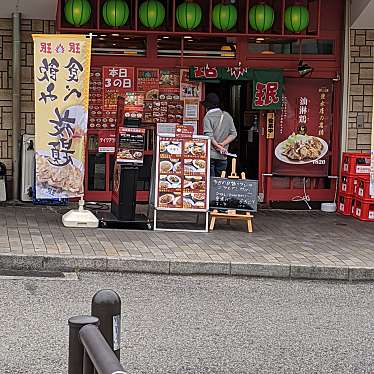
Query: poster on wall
{"points": [[62, 72], [148, 81], [107, 141], [303, 129], [133, 104], [189, 89], [116, 82], [169, 84], [191, 109], [182, 171]]}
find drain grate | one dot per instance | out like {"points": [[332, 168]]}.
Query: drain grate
{"points": [[34, 274]]}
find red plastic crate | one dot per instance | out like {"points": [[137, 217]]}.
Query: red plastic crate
{"points": [[345, 204], [363, 188], [347, 184], [355, 163], [364, 210]]}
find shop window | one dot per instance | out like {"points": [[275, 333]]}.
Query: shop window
{"points": [[119, 45], [195, 47], [317, 47], [96, 172], [286, 47], [292, 47]]}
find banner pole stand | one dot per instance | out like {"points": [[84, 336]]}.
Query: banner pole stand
{"points": [[80, 217]]}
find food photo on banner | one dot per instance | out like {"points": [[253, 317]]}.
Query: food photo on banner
{"points": [[61, 70], [303, 129]]}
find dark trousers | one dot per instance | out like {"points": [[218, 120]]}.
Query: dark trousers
{"points": [[217, 167]]}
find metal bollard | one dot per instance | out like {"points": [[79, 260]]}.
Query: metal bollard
{"points": [[75, 365], [106, 305]]}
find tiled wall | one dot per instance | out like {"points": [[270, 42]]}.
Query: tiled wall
{"points": [[361, 90], [28, 27]]}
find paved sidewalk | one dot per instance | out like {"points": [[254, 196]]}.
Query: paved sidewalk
{"points": [[296, 244]]}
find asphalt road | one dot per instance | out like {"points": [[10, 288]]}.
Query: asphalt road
{"points": [[191, 325]]}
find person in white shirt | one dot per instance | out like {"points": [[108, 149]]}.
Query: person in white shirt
{"points": [[219, 126]]}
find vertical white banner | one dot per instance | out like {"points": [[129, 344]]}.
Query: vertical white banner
{"points": [[62, 71]]}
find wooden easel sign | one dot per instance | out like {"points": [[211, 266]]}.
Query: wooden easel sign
{"points": [[233, 198]]}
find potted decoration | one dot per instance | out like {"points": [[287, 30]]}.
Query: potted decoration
{"points": [[77, 12], [261, 17], [224, 16], [115, 12], [152, 13], [189, 15], [296, 18]]}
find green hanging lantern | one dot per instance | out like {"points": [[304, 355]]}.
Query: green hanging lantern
{"points": [[77, 12], [261, 17], [224, 16], [115, 12], [189, 15], [296, 18], [152, 14]]}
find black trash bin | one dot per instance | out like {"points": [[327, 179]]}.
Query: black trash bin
{"points": [[2, 182]]}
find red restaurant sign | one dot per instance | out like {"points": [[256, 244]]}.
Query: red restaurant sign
{"points": [[107, 141], [116, 81]]}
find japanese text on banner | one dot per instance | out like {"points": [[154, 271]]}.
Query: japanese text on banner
{"points": [[61, 70]]}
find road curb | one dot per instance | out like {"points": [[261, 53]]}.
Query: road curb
{"points": [[185, 267]]}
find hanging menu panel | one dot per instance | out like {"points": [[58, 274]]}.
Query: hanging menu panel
{"points": [[98, 118]]}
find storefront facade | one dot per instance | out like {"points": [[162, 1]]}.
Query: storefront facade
{"points": [[169, 46]]}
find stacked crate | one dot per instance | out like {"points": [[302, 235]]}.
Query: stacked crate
{"points": [[354, 187]]}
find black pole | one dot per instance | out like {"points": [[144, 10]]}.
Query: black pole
{"points": [[106, 305], [88, 367], [75, 365], [99, 351]]}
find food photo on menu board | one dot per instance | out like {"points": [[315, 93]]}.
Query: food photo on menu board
{"points": [[195, 148], [182, 170]]}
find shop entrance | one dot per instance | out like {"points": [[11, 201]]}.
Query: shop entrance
{"points": [[236, 99]]}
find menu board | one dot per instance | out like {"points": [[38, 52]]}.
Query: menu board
{"points": [[97, 117], [130, 145], [182, 173], [160, 111], [239, 194]]}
